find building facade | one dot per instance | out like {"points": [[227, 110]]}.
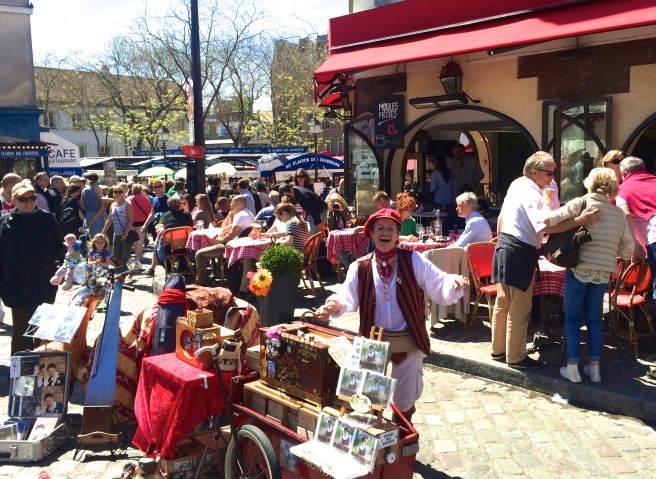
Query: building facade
{"points": [[573, 78]]}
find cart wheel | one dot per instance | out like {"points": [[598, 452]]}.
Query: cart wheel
{"points": [[260, 459]]}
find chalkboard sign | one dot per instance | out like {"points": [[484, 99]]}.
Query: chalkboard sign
{"points": [[389, 122]]}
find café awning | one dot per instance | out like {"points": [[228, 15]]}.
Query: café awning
{"points": [[567, 21]]}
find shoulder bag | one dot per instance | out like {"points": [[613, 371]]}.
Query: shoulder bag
{"points": [[562, 249], [132, 235]]}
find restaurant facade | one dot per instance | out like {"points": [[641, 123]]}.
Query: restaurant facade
{"points": [[574, 78]]}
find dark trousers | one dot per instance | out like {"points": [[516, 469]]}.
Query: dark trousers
{"points": [[20, 318]]}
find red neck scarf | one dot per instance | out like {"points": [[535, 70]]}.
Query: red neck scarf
{"points": [[382, 262]]}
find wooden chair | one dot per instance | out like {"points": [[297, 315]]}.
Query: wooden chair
{"points": [[480, 257], [630, 292], [174, 241], [311, 251]]}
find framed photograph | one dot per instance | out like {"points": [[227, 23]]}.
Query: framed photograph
{"points": [[378, 388], [325, 428], [287, 459], [373, 355], [52, 400], [343, 438], [365, 449], [350, 381]]}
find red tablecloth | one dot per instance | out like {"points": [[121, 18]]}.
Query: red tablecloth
{"points": [[345, 240], [200, 239], [420, 246], [552, 279], [241, 248], [172, 398]]}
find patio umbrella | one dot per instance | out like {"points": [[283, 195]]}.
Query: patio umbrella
{"points": [[268, 163], [157, 171], [221, 169], [181, 174]]}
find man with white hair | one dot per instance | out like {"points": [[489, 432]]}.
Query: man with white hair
{"points": [[8, 182], [476, 227], [638, 189], [524, 210]]}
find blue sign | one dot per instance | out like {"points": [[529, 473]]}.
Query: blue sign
{"points": [[66, 172], [231, 151], [23, 153], [325, 162]]}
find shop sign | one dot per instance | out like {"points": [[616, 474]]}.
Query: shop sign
{"points": [[389, 122]]}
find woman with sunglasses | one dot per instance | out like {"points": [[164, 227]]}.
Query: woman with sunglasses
{"points": [[30, 244], [121, 216], [302, 178]]}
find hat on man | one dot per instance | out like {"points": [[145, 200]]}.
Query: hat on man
{"points": [[22, 187], [93, 177], [385, 213], [75, 178]]}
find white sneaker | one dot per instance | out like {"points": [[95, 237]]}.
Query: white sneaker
{"points": [[571, 372], [592, 370]]}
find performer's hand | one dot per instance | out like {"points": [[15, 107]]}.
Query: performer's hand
{"points": [[461, 282], [324, 312]]}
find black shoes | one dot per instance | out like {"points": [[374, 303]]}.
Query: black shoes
{"points": [[150, 272], [527, 363], [499, 357]]}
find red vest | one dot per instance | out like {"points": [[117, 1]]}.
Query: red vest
{"points": [[409, 296]]}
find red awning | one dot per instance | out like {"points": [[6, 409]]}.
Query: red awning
{"points": [[564, 22]]}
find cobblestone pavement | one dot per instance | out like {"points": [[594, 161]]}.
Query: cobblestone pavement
{"points": [[469, 428]]}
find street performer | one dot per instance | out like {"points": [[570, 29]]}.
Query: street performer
{"points": [[388, 286]]}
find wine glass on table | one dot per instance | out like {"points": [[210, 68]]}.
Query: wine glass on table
{"points": [[437, 229], [420, 231]]}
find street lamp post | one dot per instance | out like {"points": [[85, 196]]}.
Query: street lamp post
{"points": [[163, 135], [315, 129]]}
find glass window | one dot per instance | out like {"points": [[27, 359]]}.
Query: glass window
{"points": [[77, 121], [48, 120], [329, 145], [340, 145], [362, 164]]}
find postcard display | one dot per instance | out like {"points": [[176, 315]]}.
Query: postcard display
{"points": [[38, 389], [343, 446]]}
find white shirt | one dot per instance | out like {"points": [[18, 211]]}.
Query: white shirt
{"points": [[523, 211], [476, 229], [244, 219], [42, 203], [437, 285], [250, 201]]}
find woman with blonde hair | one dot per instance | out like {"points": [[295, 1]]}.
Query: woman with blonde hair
{"points": [[121, 217], [586, 283], [339, 216]]}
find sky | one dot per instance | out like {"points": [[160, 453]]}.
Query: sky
{"points": [[63, 26]]}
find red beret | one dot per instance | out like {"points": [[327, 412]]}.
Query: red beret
{"points": [[387, 213]]}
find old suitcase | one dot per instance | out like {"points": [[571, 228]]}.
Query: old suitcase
{"points": [[189, 339], [37, 449], [297, 365]]}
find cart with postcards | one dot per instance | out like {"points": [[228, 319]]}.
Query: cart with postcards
{"points": [[308, 417]]}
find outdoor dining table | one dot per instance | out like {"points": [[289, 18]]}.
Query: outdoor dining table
{"points": [[422, 247], [204, 238], [551, 282], [241, 248], [345, 240]]}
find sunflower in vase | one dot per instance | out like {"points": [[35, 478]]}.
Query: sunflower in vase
{"points": [[260, 282]]}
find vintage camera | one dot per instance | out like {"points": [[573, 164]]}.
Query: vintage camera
{"points": [[337, 206]]}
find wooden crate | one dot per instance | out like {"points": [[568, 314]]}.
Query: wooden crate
{"points": [[189, 339], [200, 318]]}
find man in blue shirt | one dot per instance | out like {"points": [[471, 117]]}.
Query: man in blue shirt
{"points": [[267, 213], [476, 227]]}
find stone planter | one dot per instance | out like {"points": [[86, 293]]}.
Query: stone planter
{"points": [[278, 306]]}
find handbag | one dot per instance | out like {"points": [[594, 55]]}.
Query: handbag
{"points": [[562, 249]]}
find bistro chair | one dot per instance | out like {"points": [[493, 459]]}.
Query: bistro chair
{"points": [[629, 293], [174, 241], [480, 257], [311, 251]]}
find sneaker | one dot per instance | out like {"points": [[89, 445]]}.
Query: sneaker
{"points": [[571, 372], [56, 280], [499, 357], [592, 370], [527, 363]]}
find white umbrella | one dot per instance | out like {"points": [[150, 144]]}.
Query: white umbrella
{"points": [[221, 169], [157, 171], [181, 174], [269, 163]]}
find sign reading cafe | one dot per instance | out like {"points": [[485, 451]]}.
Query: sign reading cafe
{"points": [[389, 122]]}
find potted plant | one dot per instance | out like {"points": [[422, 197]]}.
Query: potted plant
{"points": [[284, 263]]}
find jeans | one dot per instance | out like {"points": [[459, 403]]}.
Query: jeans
{"points": [[651, 260], [122, 250], [583, 299]]}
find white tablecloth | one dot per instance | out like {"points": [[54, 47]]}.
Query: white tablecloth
{"points": [[454, 261]]}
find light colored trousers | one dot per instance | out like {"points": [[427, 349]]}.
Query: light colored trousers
{"points": [[202, 257], [512, 310]]}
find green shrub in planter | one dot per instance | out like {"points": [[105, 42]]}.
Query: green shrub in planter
{"points": [[282, 260]]}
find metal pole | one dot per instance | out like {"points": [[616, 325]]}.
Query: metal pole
{"points": [[199, 126], [316, 160]]}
